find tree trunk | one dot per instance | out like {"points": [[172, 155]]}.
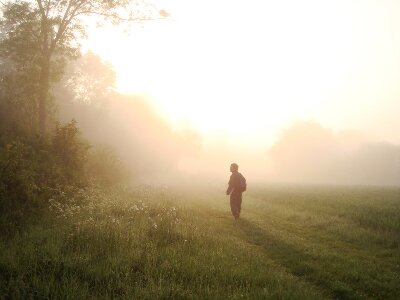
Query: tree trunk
{"points": [[43, 94]]}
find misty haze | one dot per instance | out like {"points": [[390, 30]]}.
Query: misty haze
{"points": [[200, 149]]}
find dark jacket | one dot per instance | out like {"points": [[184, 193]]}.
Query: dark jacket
{"points": [[234, 184]]}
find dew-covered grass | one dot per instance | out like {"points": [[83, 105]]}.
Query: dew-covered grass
{"points": [[151, 243]]}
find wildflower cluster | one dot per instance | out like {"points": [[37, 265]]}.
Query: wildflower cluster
{"points": [[92, 208], [72, 203], [165, 219]]}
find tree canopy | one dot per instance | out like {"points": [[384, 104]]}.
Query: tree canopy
{"points": [[38, 36]]}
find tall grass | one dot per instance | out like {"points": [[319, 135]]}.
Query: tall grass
{"points": [[152, 243]]}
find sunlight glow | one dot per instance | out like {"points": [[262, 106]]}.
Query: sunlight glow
{"points": [[252, 67]]}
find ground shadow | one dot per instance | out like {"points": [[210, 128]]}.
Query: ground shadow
{"points": [[297, 261], [256, 235]]}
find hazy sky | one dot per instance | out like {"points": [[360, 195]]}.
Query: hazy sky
{"points": [[249, 68]]}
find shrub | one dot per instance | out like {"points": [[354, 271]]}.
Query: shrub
{"points": [[70, 153]]}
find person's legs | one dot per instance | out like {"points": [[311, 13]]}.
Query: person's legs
{"points": [[236, 204], [233, 207], [239, 205]]}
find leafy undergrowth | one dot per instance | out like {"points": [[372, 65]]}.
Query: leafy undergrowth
{"points": [[157, 244]]}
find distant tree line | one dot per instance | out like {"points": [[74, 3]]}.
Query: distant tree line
{"points": [[309, 152]]}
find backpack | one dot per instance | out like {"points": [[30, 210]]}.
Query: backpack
{"points": [[242, 183]]}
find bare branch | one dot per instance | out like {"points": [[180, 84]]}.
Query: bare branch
{"points": [[66, 20], [119, 18], [39, 2], [47, 8]]}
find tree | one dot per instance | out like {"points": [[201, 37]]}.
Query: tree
{"points": [[46, 32], [86, 80], [84, 91]]}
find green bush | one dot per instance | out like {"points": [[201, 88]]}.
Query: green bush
{"points": [[33, 170], [18, 183], [104, 168], [70, 153]]}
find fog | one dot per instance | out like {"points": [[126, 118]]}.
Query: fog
{"points": [[154, 150], [308, 152]]}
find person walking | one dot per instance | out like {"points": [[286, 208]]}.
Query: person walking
{"points": [[236, 186]]}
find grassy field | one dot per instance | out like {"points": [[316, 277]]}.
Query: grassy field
{"points": [[291, 243]]}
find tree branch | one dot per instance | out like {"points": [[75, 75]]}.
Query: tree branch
{"points": [[119, 18], [39, 2], [44, 29], [66, 20], [47, 8]]}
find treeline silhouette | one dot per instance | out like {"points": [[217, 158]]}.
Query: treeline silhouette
{"points": [[308, 152]]}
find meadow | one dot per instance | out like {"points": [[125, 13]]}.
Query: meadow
{"points": [[292, 242]]}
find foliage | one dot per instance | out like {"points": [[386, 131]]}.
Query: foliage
{"points": [[21, 50], [18, 180], [105, 168], [39, 36], [20, 27], [36, 40], [70, 152], [32, 169], [18, 105], [87, 80]]}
